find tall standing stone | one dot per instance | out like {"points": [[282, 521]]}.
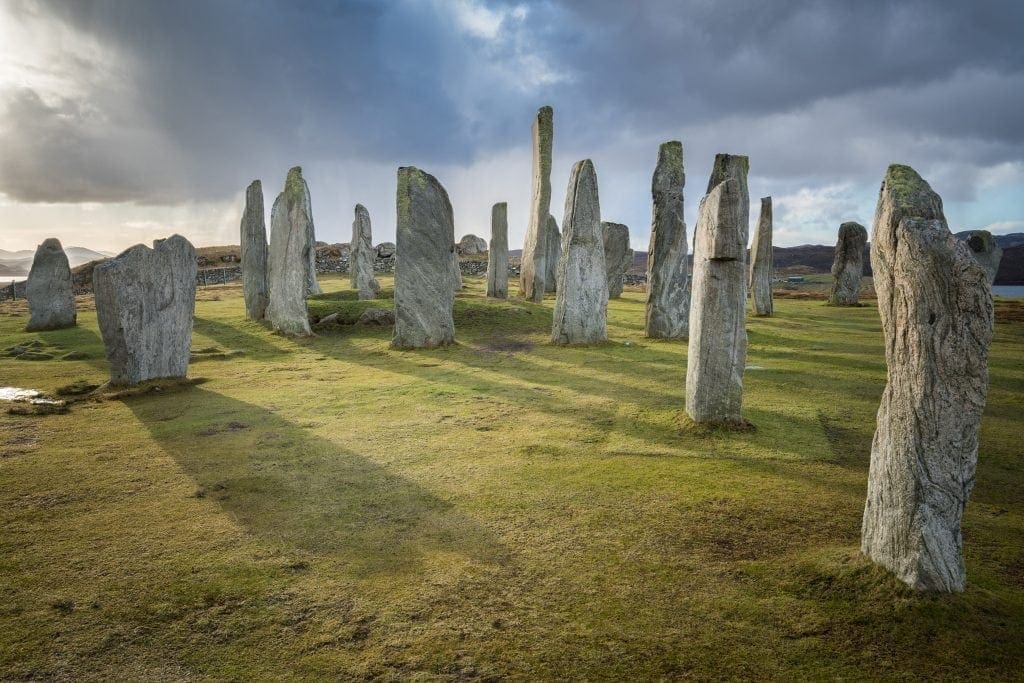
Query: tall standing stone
{"points": [[423, 271], [668, 273], [289, 258], [554, 251], [301, 210], [935, 303], [255, 284], [361, 256], [848, 266], [761, 262], [581, 305], [49, 289], [718, 336], [145, 301], [618, 257], [533, 266], [497, 254], [986, 252]]}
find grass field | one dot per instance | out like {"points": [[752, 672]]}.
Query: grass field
{"points": [[328, 508]]}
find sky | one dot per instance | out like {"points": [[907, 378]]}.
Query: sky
{"points": [[122, 121]]}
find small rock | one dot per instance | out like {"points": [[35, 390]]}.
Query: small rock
{"points": [[377, 316]]}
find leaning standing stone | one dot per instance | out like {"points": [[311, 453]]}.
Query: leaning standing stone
{"points": [[289, 259], [668, 273], [423, 272], [581, 305], [361, 256], [848, 266], [761, 262], [533, 266], [935, 303], [254, 253], [497, 254], [618, 257], [986, 252], [50, 289], [718, 336], [145, 300], [554, 251]]}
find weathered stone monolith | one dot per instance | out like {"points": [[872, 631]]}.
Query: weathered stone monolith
{"points": [[618, 257], [497, 254], [470, 245], [145, 301], [255, 284], [289, 259], [718, 336], [848, 266], [533, 265], [668, 272], [423, 270], [581, 305], [300, 209], [761, 262], [361, 256], [49, 289], [986, 252], [935, 303], [554, 252]]}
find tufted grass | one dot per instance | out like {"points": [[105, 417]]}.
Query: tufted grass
{"points": [[504, 509]]}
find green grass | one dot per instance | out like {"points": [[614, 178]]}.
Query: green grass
{"points": [[331, 509]]}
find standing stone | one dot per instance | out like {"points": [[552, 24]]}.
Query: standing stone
{"points": [[848, 266], [361, 256], [718, 336], [289, 258], [761, 262], [581, 305], [935, 303], [986, 252], [618, 257], [49, 289], [497, 254], [145, 301], [255, 287], [554, 251], [423, 271], [533, 266], [668, 276], [301, 210], [470, 245]]}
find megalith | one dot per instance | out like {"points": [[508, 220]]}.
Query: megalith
{"points": [[935, 303], [986, 252], [668, 272], [533, 265], [581, 305], [554, 251], [49, 289], [424, 294], [618, 257], [289, 259], [361, 256], [848, 265], [145, 301], [718, 336], [497, 254], [761, 262], [300, 210], [255, 284], [470, 245]]}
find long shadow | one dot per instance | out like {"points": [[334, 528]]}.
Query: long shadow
{"points": [[82, 340], [301, 491], [233, 337]]}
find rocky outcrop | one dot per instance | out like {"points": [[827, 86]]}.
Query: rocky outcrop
{"points": [[618, 257], [848, 265], [471, 245], [361, 256], [986, 252], [497, 255], [49, 289], [255, 285], [718, 336], [554, 252], [533, 266], [668, 276], [935, 303], [386, 250], [423, 274], [145, 300], [761, 262], [289, 259], [581, 305]]}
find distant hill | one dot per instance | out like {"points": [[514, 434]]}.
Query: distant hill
{"points": [[16, 264]]}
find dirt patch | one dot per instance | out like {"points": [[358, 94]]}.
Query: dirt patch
{"points": [[1009, 311], [504, 345], [232, 426]]}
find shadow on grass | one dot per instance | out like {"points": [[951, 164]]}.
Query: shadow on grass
{"points": [[233, 337]]}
